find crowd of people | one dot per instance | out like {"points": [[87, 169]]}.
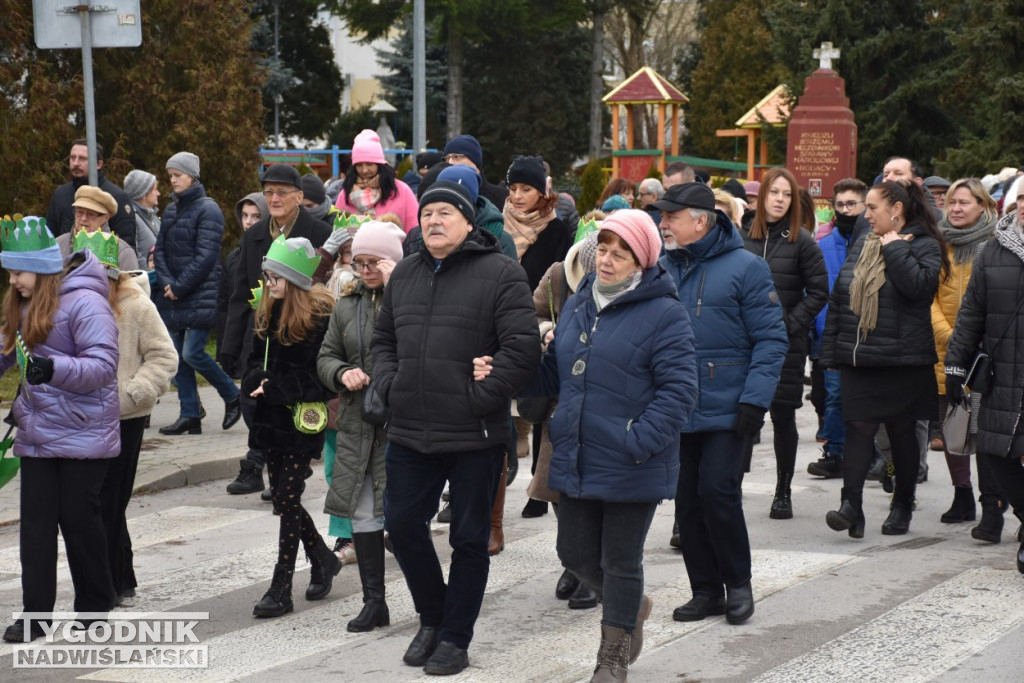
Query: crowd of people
{"points": [[415, 336]]}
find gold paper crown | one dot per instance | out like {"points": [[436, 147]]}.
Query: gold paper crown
{"points": [[350, 221], [585, 228]]}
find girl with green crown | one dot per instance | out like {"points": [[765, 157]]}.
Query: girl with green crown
{"points": [[291, 319], [59, 329]]}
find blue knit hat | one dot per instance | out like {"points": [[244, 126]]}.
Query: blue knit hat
{"points": [[467, 146], [463, 175], [28, 246]]}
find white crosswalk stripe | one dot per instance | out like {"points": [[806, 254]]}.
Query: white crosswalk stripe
{"points": [[920, 638]]}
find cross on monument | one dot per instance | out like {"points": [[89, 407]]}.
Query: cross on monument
{"points": [[825, 54]]}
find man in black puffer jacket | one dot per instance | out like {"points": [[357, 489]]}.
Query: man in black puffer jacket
{"points": [[458, 299]]}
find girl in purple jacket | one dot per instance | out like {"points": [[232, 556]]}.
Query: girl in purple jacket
{"points": [[59, 329]]}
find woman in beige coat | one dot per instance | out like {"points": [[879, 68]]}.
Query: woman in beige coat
{"points": [[146, 362]]}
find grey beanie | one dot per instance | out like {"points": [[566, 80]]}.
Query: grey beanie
{"points": [[186, 162], [138, 183]]}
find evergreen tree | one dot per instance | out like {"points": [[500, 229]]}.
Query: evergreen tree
{"points": [[397, 84], [171, 94], [893, 52], [983, 86], [736, 69], [305, 76]]}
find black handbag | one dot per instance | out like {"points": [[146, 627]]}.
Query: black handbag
{"points": [[981, 373], [375, 409]]}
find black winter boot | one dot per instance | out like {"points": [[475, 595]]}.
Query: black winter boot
{"points": [[782, 505], [990, 528], [325, 566], [849, 516], [278, 599], [963, 508], [370, 558], [898, 521], [249, 479]]}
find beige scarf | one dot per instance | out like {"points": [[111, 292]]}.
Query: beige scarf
{"points": [[868, 278], [525, 226]]}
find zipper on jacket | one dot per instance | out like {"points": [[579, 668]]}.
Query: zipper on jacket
{"points": [[483, 427], [711, 370], [423, 354], [856, 343], [700, 291]]}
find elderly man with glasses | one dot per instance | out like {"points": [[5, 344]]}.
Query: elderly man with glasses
{"points": [[282, 189]]}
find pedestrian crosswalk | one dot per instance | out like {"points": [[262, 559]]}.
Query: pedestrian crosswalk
{"points": [[524, 634]]}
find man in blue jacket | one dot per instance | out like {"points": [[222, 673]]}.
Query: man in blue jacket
{"points": [[741, 342]]}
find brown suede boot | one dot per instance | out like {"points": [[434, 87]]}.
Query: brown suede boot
{"points": [[613, 657], [496, 543]]}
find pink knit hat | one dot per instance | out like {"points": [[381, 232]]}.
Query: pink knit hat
{"points": [[637, 230], [366, 148], [376, 238]]}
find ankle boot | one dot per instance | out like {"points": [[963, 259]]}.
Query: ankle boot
{"points": [[278, 599], [370, 558], [636, 640], [183, 425], [583, 597], [612, 657], [325, 566], [963, 508], [990, 528], [898, 521], [850, 515], [782, 505], [496, 543]]}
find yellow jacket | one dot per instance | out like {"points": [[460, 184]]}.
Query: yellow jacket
{"points": [[944, 309]]}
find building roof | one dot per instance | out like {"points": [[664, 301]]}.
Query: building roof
{"points": [[645, 86], [773, 107]]}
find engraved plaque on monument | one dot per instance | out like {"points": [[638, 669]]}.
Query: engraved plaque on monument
{"points": [[821, 144]]}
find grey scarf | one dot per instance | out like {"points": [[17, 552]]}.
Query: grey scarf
{"points": [[606, 294], [966, 240]]}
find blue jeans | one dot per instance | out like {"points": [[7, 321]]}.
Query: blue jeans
{"points": [[833, 429], [709, 510], [190, 343], [603, 544], [415, 481]]}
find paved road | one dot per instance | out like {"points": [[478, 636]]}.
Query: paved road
{"points": [[934, 605]]}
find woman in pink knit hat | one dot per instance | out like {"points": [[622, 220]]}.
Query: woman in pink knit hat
{"points": [[623, 347], [371, 187]]}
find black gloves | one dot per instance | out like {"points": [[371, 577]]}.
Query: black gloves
{"points": [[749, 419], [955, 384], [38, 370]]}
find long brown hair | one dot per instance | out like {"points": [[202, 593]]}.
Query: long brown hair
{"points": [[759, 228], [615, 186], [299, 310], [39, 315]]}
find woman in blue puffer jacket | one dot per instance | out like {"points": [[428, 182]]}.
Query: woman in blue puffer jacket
{"points": [[187, 261], [59, 329], [623, 367]]}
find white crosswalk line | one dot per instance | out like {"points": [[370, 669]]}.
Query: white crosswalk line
{"points": [[146, 530], [920, 638], [562, 651]]}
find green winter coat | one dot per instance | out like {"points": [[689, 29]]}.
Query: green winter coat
{"points": [[360, 446]]}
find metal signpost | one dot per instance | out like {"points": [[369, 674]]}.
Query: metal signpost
{"points": [[60, 25]]}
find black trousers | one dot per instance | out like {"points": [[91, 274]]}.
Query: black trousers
{"points": [[1008, 474], [117, 489], [63, 493]]}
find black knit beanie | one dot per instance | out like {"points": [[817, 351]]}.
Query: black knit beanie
{"points": [[528, 171]]}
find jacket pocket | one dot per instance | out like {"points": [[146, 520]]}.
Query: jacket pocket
{"points": [[721, 384]]}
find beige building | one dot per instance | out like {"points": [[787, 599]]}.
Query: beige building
{"points": [[358, 64]]}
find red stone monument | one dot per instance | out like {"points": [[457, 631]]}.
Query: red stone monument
{"points": [[822, 136]]}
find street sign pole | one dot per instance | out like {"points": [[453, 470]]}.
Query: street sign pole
{"points": [[90, 102]]}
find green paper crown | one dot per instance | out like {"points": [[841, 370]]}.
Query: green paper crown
{"points": [[25, 234], [585, 228], [350, 221], [257, 295], [103, 244], [297, 259]]}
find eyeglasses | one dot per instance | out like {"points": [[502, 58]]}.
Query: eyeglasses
{"points": [[843, 206], [368, 266], [270, 278], [452, 158], [278, 193]]}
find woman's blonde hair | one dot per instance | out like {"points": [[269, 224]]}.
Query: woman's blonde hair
{"points": [[731, 208], [974, 186], [299, 310]]}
